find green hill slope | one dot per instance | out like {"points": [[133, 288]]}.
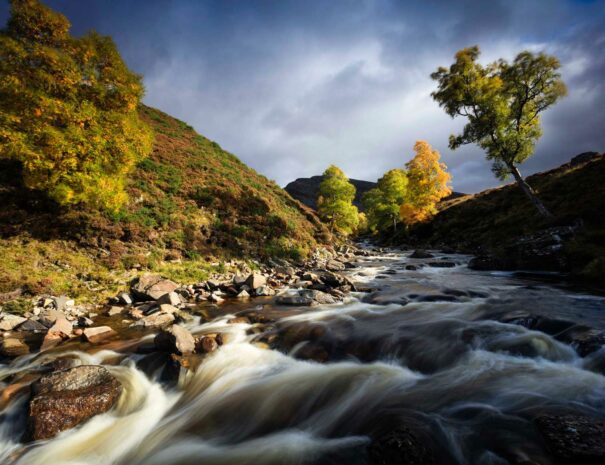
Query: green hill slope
{"points": [[501, 222], [189, 201]]}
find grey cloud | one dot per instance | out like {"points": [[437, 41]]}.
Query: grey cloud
{"points": [[291, 87]]}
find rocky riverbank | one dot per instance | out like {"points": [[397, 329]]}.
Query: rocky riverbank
{"points": [[152, 304], [423, 309]]}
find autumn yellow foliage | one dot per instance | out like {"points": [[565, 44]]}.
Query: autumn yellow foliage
{"points": [[428, 182], [68, 109]]}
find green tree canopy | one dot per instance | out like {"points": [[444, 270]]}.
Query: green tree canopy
{"points": [[502, 102], [68, 109], [335, 201], [383, 203]]}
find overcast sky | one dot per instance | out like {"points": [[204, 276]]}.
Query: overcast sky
{"points": [[293, 86]]}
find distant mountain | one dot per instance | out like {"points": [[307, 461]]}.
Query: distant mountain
{"points": [[306, 189]]}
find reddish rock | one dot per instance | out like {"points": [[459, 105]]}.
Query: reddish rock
{"points": [[206, 344], [11, 347], [64, 399]]}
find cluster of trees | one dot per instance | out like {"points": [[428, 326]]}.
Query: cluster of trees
{"points": [[68, 109], [502, 102], [408, 195], [402, 195]]}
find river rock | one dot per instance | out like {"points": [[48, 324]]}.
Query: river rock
{"points": [[9, 321], [206, 344], [171, 298], [443, 264], [175, 339], [64, 399], [306, 298], [243, 295], [152, 287], [264, 291], [334, 265], [574, 438], [156, 320], [98, 334], [400, 447], [12, 347], [256, 280], [421, 254], [32, 325], [114, 310]]}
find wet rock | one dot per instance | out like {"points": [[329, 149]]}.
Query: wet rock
{"points": [[400, 447], [175, 339], [419, 253], [152, 287], [115, 311], [206, 344], [156, 320], [486, 263], [256, 280], [12, 347], [264, 291], [442, 264], [239, 320], [170, 298], [49, 317], [98, 334], [216, 298], [411, 267], [9, 322], [305, 298], [167, 308], [65, 399], [573, 438]]}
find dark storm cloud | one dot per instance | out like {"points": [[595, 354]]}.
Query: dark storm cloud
{"points": [[292, 86]]}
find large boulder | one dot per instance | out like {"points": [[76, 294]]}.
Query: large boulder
{"points": [[176, 340], [305, 298], [152, 287], [67, 398], [256, 280], [421, 254]]}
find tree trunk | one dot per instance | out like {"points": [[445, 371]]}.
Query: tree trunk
{"points": [[529, 192], [394, 225]]}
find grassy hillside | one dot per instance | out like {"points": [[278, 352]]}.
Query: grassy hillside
{"points": [[494, 220], [190, 203]]}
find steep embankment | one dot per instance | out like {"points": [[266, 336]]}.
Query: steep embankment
{"points": [[189, 200], [306, 190], [503, 224]]}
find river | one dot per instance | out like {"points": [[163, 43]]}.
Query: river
{"points": [[438, 353]]}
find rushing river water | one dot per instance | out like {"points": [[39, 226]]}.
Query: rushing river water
{"points": [[428, 352]]}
